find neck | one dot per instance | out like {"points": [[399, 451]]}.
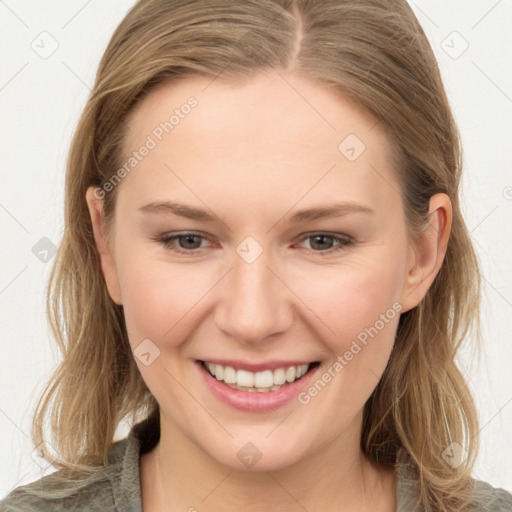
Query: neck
{"points": [[179, 475]]}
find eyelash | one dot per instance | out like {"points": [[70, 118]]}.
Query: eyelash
{"points": [[344, 241]]}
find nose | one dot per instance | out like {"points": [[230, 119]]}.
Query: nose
{"points": [[255, 303]]}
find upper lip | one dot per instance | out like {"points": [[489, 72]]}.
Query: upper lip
{"points": [[258, 367]]}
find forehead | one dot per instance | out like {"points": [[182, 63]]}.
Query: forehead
{"points": [[274, 135]]}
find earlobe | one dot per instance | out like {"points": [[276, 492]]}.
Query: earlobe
{"points": [[427, 252], [108, 267]]}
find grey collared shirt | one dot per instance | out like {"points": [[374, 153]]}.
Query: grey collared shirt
{"points": [[116, 488]]}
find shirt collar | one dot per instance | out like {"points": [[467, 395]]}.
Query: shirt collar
{"points": [[123, 464]]}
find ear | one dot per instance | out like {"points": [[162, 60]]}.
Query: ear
{"points": [[108, 267], [427, 252]]}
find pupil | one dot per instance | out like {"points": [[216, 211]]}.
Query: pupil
{"points": [[320, 237], [190, 238]]}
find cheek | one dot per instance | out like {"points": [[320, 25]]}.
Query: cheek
{"points": [[358, 294], [162, 303], [360, 305], [158, 296], [358, 308]]}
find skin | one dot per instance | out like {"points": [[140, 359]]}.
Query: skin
{"points": [[255, 153]]}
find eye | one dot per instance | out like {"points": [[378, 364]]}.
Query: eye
{"points": [[187, 243], [324, 243]]}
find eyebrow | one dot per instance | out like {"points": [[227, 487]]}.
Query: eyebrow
{"points": [[189, 212], [183, 210]]}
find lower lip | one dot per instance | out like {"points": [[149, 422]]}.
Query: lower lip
{"points": [[255, 401]]}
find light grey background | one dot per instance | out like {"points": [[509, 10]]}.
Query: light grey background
{"points": [[41, 96]]}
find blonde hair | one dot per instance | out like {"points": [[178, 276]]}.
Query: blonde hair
{"points": [[373, 52]]}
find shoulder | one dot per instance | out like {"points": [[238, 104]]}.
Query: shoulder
{"points": [[484, 497], [60, 491], [487, 498], [63, 490], [114, 487]]}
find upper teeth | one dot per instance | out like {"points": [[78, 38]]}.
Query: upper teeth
{"points": [[263, 380]]}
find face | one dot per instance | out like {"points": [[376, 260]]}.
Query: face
{"points": [[261, 235]]}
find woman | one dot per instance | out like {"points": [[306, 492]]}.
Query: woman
{"points": [[265, 268]]}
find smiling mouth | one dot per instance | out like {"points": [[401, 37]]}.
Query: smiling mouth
{"points": [[262, 381]]}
